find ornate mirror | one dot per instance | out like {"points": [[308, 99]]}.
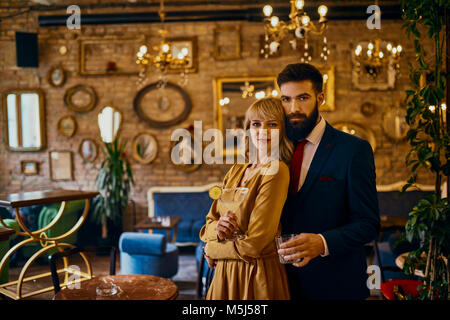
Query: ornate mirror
{"points": [[394, 123], [80, 98], [109, 120], [233, 96], [162, 106], [357, 130], [88, 150], [145, 148], [24, 120], [56, 76], [67, 126]]}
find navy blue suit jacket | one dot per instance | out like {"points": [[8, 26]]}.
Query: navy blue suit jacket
{"points": [[339, 200]]}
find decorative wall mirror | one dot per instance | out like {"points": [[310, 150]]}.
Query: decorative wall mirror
{"points": [[145, 148], [394, 123], [109, 120], [80, 98], [67, 126], [88, 150], [56, 76], [233, 96], [357, 130], [162, 107], [24, 120]]}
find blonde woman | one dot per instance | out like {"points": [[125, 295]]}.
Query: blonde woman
{"points": [[249, 269]]}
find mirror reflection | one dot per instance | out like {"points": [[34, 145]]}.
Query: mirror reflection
{"points": [[24, 119]]}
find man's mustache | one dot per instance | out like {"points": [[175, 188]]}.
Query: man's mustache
{"points": [[296, 115]]}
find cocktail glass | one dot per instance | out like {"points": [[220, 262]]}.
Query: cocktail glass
{"points": [[231, 199]]}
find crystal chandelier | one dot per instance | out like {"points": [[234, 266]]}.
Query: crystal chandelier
{"points": [[299, 28], [373, 57], [162, 60]]}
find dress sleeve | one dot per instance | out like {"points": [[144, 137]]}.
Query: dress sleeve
{"points": [[263, 223], [208, 231]]}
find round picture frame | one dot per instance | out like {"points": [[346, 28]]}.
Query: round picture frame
{"points": [[88, 150], [67, 126], [56, 76], [141, 144], [73, 90], [368, 109], [394, 123], [154, 122]]}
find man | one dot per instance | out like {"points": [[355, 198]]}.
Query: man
{"points": [[332, 205]]}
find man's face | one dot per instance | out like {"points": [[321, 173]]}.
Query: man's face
{"points": [[301, 105]]}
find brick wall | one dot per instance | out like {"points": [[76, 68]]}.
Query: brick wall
{"points": [[121, 90]]}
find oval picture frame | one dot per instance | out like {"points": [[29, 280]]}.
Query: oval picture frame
{"points": [[67, 126], [145, 148], [394, 123], [88, 150], [56, 76], [72, 90], [154, 122]]}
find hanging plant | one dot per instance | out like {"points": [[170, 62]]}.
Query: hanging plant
{"points": [[429, 221]]}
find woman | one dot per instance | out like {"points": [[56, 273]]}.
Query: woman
{"points": [[250, 268]]}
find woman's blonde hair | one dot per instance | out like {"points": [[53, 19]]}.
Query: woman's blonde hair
{"points": [[270, 108]]}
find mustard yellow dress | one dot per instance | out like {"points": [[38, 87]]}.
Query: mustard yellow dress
{"points": [[249, 269]]}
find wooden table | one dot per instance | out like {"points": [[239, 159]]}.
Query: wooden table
{"points": [[151, 223], [5, 233], [30, 198], [130, 287]]}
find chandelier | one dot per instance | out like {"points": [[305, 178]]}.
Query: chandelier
{"points": [[372, 57], [299, 28], [162, 60]]}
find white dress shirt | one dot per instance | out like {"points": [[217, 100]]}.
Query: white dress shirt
{"points": [[313, 140]]}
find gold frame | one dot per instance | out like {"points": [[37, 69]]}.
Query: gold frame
{"points": [[81, 56], [72, 90], [93, 158], [136, 156], [36, 167], [60, 130], [50, 73], [194, 67], [217, 85], [329, 92], [18, 92], [237, 55], [51, 166]]}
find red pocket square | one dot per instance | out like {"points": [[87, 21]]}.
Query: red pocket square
{"points": [[326, 178]]}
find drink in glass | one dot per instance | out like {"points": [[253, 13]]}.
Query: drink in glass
{"points": [[231, 199]]}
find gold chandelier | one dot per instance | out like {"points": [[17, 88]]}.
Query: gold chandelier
{"points": [[373, 57], [163, 59], [300, 27]]}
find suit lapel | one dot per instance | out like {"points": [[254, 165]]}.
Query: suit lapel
{"points": [[326, 145]]}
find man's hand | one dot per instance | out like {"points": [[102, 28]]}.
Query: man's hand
{"points": [[226, 225], [211, 262], [305, 245]]}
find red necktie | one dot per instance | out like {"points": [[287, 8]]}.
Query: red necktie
{"points": [[296, 167]]}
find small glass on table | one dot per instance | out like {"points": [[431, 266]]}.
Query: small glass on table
{"points": [[279, 240]]}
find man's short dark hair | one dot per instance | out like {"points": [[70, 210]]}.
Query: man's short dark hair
{"points": [[300, 72]]}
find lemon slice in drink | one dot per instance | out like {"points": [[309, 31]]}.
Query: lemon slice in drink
{"points": [[215, 192]]}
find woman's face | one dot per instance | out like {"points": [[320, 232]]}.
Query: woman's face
{"points": [[261, 133]]}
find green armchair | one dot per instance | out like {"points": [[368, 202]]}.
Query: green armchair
{"points": [[4, 247]]}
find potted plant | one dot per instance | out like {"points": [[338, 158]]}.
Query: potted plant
{"points": [[114, 182], [429, 221]]}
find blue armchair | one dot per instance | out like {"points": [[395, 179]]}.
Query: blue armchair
{"points": [[142, 253]]}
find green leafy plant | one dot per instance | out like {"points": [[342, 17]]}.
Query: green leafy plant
{"points": [[429, 221], [114, 182]]}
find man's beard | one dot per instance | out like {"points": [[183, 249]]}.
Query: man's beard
{"points": [[299, 131]]}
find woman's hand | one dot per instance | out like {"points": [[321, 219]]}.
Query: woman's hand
{"points": [[226, 225], [211, 262]]}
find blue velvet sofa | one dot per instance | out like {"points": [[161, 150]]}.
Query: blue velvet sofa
{"points": [[190, 203]]}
